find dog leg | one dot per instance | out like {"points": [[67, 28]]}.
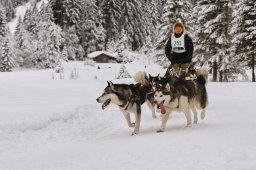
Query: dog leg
{"points": [[128, 119], [203, 114], [137, 120], [152, 108], [165, 117], [188, 117], [195, 116]]}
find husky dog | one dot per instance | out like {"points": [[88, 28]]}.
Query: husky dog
{"points": [[170, 75], [181, 95], [129, 98], [200, 100]]}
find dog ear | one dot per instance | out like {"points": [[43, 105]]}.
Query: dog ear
{"points": [[108, 83], [111, 85], [149, 76], [146, 77], [168, 87], [187, 69]]}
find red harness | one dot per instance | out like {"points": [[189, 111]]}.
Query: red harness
{"points": [[143, 88]]}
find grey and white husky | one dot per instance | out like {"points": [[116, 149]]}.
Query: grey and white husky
{"points": [[129, 98]]}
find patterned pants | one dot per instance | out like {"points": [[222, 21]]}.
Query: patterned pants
{"points": [[180, 68]]}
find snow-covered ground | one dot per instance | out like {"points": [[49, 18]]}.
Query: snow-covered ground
{"points": [[48, 124]]}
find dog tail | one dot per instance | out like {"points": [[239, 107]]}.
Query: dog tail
{"points": [[141, 77], [201, 80], [204, 97], [204, 72]]}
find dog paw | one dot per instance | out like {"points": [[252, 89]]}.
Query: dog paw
{"points": [[159, 131], [202, 116], [134, 133], [132, 125], [195, 122], [189, 125]]}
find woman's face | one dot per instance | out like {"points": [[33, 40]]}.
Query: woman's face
{"points": [[178, 29]]}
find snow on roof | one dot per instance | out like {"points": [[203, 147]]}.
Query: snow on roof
{"points": [[97, 53]]}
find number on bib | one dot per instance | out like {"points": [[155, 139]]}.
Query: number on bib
{"points": [[176, 43]]}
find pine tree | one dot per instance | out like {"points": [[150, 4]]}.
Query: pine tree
{"points": [[111, 10], [32, 20], [152, 12], [67, 13], [9, 9], [244, 33], [2, 21], [121, 46], [7, 57], [212, 36], [131, 21], [24, 45], [64, 53], [50, 38], [73, 48], [123, 73], [90, 29]]}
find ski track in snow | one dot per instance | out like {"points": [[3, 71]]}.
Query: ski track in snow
{"points": [[77, 134]]}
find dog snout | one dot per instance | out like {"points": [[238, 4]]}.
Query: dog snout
{"points": [[155, 102], [97, 99]]}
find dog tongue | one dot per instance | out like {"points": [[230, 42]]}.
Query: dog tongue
{"points": [[163, 111]]}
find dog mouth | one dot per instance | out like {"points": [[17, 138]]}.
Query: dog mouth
{"points": [[106, 103], [161, 107]]}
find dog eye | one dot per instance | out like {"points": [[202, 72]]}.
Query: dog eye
{"points": [[161, 95]]}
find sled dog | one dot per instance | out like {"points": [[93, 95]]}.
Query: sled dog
{"points": [[129, 98], [183, 96]]}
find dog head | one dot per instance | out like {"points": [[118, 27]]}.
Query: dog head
{"points": [[171, 74], [163, 95], [109, 95], [153, 80], [190, 74], [157, 81]]}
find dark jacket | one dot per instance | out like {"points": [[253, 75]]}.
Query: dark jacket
{"points": [[180, 58]]}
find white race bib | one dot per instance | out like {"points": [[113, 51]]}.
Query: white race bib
{"points": [[178, 44]]}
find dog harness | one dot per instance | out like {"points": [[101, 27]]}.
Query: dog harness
{"points": [[178, 44], [140, 91], [125, 106]]}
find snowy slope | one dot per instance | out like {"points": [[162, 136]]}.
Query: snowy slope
{"points": [[20, 12], [48, 124]]}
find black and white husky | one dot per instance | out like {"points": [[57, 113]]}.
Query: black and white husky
{"points": [[129, 98], [181, 95]]}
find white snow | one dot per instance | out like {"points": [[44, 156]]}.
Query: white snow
{"points": [[48, 124], [97, 53], [20, 12]]}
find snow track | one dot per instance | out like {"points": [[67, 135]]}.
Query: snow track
{"points": [[50, 124]]}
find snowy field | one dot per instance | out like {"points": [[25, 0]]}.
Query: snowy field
{"points": [[48, 124]]}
